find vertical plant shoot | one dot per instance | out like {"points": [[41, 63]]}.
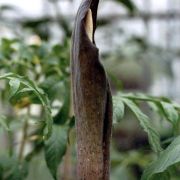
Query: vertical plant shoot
{"points": [[91, 96]]}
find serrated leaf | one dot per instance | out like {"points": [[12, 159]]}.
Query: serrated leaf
{"points": [[170, 156], [55, 148], [170, 112], [166, 110], [153, 136], [162, 105], [118, 109]]}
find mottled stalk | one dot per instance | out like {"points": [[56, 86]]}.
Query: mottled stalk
{"points": [[91, 98]]}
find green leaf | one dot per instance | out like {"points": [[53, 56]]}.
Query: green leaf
{"points": [[24, 97], [122, 171], [4, 123], [39, 93], [63, 114], [54, 87], [14, 86], [128, 4], [12, 170], [162, 105], [170, 112], [118, 109], [55, 148], [170, 156], [144, 121], [167, 110]]}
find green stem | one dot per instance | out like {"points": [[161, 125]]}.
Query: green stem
{"points": [[24, 137]]}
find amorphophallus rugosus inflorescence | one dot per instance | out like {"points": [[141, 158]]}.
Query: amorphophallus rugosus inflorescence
{"points": [[91, 97]]}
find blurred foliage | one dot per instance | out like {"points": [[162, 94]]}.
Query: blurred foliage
{"points": [[146, 62], [129, 5], [48, 68]]}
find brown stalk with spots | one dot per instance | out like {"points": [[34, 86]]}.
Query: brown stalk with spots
{"points": [[91, 98]]}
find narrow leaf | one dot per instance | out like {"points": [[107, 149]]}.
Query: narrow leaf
{"points": [[171, 113], [144, 121], [170, 156], [118, 109]]}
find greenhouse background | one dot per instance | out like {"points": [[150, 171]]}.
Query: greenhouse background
{"points": [[157, 23]]}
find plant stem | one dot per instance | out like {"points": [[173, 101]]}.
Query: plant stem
{"points": [[24, 137]]}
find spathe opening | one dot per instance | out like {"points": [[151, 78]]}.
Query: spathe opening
{"points": [[89, 25]]}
